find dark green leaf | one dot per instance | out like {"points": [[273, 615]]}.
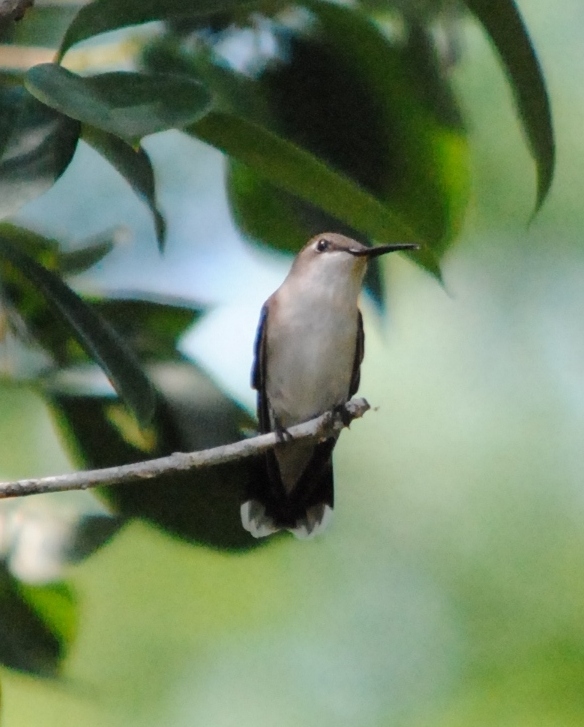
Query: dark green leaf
{"points": [[200, 507], [129, 105], [268, 214], [102, 16], [234, 92], [47, 249], [32, 243], [151, 327], [391, 165], [416, 159], [134, 165], [32, 318], [43, 25], [95, 335], [302, 173], [12, 99], [92, 533], [36, 146], [502, 21], [78, 261], [37, 625], [55, 603]]}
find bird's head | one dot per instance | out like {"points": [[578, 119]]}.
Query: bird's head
{"points": [[332, 256]]}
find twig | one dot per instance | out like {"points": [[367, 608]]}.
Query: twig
{"points": [[320, 428], [13, 9]]}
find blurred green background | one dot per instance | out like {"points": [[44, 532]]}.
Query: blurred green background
{"points": [[450, 589]]}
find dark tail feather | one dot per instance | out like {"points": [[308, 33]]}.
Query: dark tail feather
{"points": [[306, 511]]}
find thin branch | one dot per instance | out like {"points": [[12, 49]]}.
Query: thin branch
{"points": [[322, 427], [13, 9]]}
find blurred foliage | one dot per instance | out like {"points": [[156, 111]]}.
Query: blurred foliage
{"points": [[398, 131], [36, 146], [195, 414], [38, 625], [83, 324], [349, 121]]}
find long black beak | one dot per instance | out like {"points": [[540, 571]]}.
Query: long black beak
{"points": [[370, 252]]}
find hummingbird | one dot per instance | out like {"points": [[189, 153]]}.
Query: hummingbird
{"points": [[307, 356]]}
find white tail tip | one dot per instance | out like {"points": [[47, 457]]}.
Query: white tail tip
{"points": [[257, 522], [316, 520]]}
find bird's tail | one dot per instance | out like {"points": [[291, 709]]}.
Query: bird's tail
{"points": [[257, 520], [305, 511]]}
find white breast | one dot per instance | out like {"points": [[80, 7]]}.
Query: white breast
{"points": [[311, 343]]}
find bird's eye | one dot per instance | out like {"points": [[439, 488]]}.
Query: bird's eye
{"points": [[322, 245]]}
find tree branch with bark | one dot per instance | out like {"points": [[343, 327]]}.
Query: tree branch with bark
{"points": [[327, 425]]}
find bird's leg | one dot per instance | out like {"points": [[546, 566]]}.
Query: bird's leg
{"points": [[282, 434]]}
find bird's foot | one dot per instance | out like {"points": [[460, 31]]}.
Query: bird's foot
{"points": [[341, 411]]}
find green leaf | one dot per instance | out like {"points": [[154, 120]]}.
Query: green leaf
{"points": [[94, 334], [265, 213], [268, 214], [40, 247], [44, 25], [391, 165], [102, 16], [78, 261], [419, 154], [199, 507], [12, 100], [46, 248], [151, 327], [129, 105], [32, 318], [55, 604], [37, 625], [92, 533], [302, 173], [502, 21], [135, 166], [36, 146]]}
